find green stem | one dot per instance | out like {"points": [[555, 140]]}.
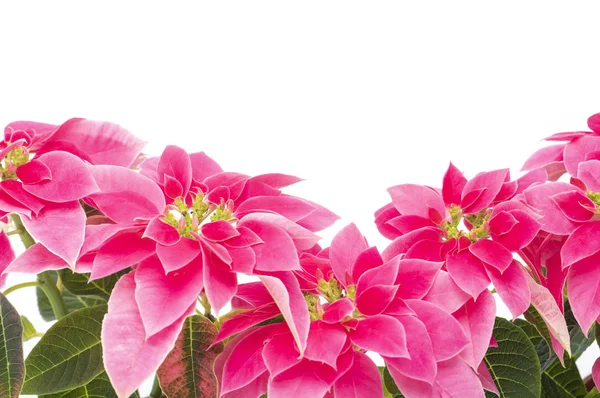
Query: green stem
{"points": [[20, 286], [44, 278], [156, 390]]}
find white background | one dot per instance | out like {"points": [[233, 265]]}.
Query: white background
{"points": [[352, 96]]}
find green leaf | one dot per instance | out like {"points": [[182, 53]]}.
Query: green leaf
{"points": [[194, 359], [559, 382], [11, 350], [29, 331], [390, 384], [544, 353], [514, 364], [579, 343], [80, 285], [594, 392], [68, 356], [99, 387], [72, 302]]}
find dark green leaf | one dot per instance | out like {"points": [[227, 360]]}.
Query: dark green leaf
{"points": [[390, 384], [544, 353], [72, 302], [514, 364], [80, 285], [99, 387], [11, 350], [594, 393], [69, 355], [579, 343], [559, 382], [193, 356], [29, 331]]}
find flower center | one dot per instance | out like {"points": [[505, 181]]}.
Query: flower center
{"points": [[187, 219], [479, 223], [15, 158]]}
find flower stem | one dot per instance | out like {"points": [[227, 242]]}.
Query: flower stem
{"points": [[156, 390], [20, 286], [44, 279]]}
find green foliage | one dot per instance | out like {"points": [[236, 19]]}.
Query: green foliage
{"points": [[29, 331], [99, 387], [11, 350]]}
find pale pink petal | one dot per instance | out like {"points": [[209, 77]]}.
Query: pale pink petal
{"points": [[576, 151], [543, 156], [477, 320], [492, 253], [306, 379], [468, 272], [126, 195], [255, 388], [175, 162], [416, 277], [220, 282], [486, 379], [245, 320], [375, 299], [403, 243], [512, 287], [161, 232], [34, 172], [121, 251], [581, 244], [447, 335], [325, 342], [454, 182], [178, 255], [286, 292], [337, 311], [130, 358], [277, 180], [456, 379], [362, 380], [34, 260], [583, 286], [421, 365], [161, 298], [417, 200], [382, 334], [411, 388], [319, 219], [203, 166], [280, 354], [346, 247], [445, 293], [71, 179], [546, 306], [61, 228], [491, 182], [292, 208], [589, 173]]}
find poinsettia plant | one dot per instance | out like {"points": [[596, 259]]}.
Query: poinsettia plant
{"points": [[216, 284]]}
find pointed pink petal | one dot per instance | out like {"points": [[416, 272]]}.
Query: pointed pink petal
{"points": [[285, 291], [581, 244], [421, 365], [486, 379], [178, 255], [416, 277], [366, 260], [126, 195], [507, 191], [362, 380], [130, 358], [243, 260], [34, 172], [121, 251], [71, 179], [382, 216], [491, 182], [97, 234], [306, 379], [255, 388], [15, 190], [277, 180], [61, 228], [512, 287], [10, 205], [203, 166], [583, 286], [456, 379], [292, 208], [7, 255], [403, 243], [172, 187], [445, 293], [245, 320], [175, 162], [589, 173], [447, 335], [325, 342], [161, 232], [338, 310], [382, 334], [536, 176], [220, 283], [426, 250], [345, 248], [374, 299], [468, 272], [492, 253], [406, 224], [543, 156], [34, 260], [521, 234], [385, 274], [574, 205], [219, 231], [576, 151], [545, 305], [102, 142], [251, 295], [477, 320], [454, 182], [502, 222], [416, 200], [319, 219], [411, 388], [245, 238], [161, 298], [280, 354], [596, 372]]}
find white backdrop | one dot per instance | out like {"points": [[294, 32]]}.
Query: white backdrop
{"points": [[352, 96]]}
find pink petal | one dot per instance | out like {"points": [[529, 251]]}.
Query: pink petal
{"points": [[15, 190], [319, 219], [536, 176], [130, 358], [220, 283], [581, 244], [203, 166], [545, 305], [385, 274], [235, 182], [447, 335], [576, 151], [245, 238], [10, 205], [543, 156], [382, 334], [34, 260], [521, 234], [280, 354], [277, 180], [375, 299], [102, 142], [178, 255], [345, 248], [421, 365], [406, 224], [477, 320], [362, 380], [175, 162], [468, 272], [456, 379], [486, 379], [575, 205], [7, 255], [492, 253], [502, 222], [403, 243], [337, 311], [490, 181], [512, 287], [61, 228], [245, 320], [97, 234], [589, 173], [325, 342], [286, 293], [411, 388], [120, 252], [161, 298], [454, 182], [126, 195], [71, 179], [172, 187], [445, 293], [366, 260], [252, 295], [34, 172], [292, 208], [382, 216], [416, 277], [219, 231], [596, 372], [583, 286], [161, 232], [594, 122], [426, 250], [416, 200], [306, 379], [243, 260], [255, 388]]}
